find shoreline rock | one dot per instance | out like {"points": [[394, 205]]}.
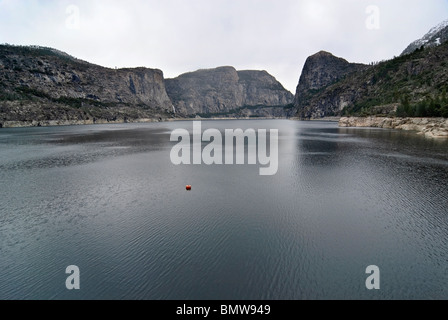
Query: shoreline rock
{"points": [[429, 127], [54, 123]]}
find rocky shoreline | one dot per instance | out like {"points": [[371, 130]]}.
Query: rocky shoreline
{"points": [[429, 127], [51, 123]]}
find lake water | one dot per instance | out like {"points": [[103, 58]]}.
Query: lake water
{"points": [[107, 199]]}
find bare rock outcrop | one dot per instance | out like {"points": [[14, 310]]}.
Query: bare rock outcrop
{"points": [[224, 90], [45, 84], [430, 127]]}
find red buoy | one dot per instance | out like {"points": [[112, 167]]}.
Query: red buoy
{"points": [[188, 187]]}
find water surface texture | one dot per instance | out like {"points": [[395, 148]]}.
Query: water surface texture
{"points": [[107, 199]]}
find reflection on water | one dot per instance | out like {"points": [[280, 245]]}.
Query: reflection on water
{"points": [[107, 199]]}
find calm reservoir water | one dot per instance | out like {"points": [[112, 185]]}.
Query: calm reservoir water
{"points": [[107, 199]]}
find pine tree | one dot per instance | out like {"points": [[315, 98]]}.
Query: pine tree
{"points": [[406, 106], [431, 108], [421, 110]]}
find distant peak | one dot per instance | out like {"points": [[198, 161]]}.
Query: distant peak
{"points": [[325, 56], [225, 68], [323, 53], [437, 28], [436, 36]]}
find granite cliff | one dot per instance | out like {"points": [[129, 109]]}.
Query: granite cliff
{"points": [[225, 90], [42, 84], [411, 85], [319, 72]]}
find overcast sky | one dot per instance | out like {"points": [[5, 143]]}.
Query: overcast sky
{"points": [[178, 36]]}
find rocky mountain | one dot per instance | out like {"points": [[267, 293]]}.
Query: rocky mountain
{"points": [[225, 90], [417, 80], [43, 84], [412, 84], [320, 71], [435, 37]]}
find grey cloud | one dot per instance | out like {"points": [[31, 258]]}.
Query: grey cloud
{"points": [[184, 35]]}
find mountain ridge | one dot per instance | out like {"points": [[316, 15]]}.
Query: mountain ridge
{"points": [[320, 71], [41, 85], [413, 84], [436, 36], [225, 90]]}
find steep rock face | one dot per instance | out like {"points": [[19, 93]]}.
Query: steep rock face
{"points": [[43, 83], [206, 91], [435, 37], [419, 79], [262, 89], [320, 71], [222, 90]]}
